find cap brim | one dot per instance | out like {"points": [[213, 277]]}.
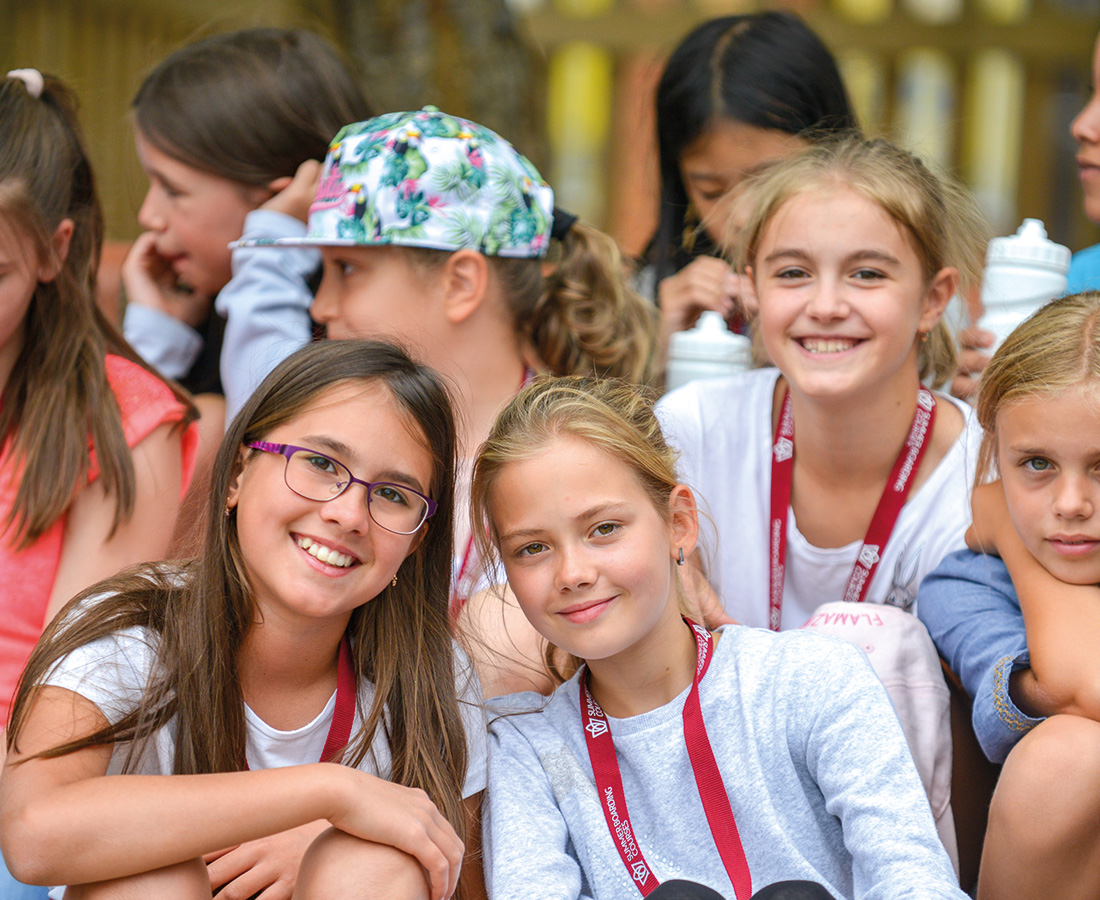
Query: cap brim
{"points": [[296, 242]]}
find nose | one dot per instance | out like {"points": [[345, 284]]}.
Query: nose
{"points": [[1074, 498], [826, 302], [150, 216], [575, 569], [325, 304], [348, 510], [1086, 127]]}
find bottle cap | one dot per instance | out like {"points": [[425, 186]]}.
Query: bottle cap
{"points": [[710, 339], [1029, 246]]}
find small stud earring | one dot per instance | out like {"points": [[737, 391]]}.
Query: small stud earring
{"points": [[680, 561], [394, 582]]}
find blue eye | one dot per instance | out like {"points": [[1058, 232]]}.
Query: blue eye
{"points": [[1037, 464]]}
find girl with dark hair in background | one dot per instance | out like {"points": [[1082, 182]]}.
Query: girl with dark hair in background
{"points": [[737, 93]]}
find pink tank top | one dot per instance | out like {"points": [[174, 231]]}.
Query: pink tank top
{"points": [[27, 576]]}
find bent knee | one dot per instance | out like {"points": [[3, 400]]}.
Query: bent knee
{"points": [[340, 865], [1053, 773], [184, 881]]}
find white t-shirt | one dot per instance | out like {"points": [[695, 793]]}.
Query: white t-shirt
{"points": [[112, 673], [723, 430]]}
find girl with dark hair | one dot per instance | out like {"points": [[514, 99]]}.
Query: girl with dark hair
{"points": [[737, 93], [313, 627], [224, 126]]}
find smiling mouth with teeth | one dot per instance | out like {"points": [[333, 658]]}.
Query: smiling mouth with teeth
{"points": [[834, 345], [325, 554]]}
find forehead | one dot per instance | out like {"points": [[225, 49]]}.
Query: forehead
{"points": [[1073, 412], [729, 149], [366, 418], [848, 213]]}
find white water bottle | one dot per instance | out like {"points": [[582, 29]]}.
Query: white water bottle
{"points": [[1023, 272], [709, 350]]}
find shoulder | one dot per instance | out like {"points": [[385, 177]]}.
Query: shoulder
{"points": [[963, 570], [716, 404], [533, 717], [762, 660], [706, 393], [1084, 270], [144, 399]]}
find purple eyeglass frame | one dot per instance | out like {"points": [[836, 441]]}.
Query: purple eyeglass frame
{"points": [[288, 450]]}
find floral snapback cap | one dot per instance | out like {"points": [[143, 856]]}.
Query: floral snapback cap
{"points": [[427, 179]]}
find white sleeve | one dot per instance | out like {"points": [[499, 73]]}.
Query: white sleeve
{"points": [[112, 672], [525, 838], [857, 754], [266, 305], [163, 341]]}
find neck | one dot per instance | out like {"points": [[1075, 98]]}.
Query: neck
{"points": [[648, 675], [486, 365], [286, 661], [854, 440]]}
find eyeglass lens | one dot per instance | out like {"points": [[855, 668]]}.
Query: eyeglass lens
{"points": [[392, 506]]}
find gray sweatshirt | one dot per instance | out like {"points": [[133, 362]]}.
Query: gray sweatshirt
{"points": [[817, 770]]}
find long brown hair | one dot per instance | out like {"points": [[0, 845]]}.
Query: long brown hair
{"points": [[401, 640], [58, 394]]}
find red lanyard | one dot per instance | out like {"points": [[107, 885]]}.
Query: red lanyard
{"points": [[712, 791], [882, 523], [344, 711]]}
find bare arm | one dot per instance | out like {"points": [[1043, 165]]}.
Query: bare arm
{"points": [[63, 822], [1062, 621], [89, 552]]}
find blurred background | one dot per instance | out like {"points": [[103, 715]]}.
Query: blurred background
{"points": [[984, 88]]}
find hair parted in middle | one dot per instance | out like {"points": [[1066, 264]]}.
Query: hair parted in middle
{"points": [[768, 70], [401, 640], [938, 215], [1056, 348], [610, 415]]}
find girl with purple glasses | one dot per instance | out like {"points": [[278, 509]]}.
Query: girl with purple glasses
{"points": [[313, 630]]}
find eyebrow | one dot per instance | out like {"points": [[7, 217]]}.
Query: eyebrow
{"points": [[338, 448], [592, 512], [857, 256], [152, 172]]}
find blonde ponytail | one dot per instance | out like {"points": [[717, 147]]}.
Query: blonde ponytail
{"points": [[587, 320]]}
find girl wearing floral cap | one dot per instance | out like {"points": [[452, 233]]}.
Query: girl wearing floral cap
{"points": [[434, 230]]}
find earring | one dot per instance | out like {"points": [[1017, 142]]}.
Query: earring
{"points": [[228, 511], [680, 561], [394, 582], [923, 337]]}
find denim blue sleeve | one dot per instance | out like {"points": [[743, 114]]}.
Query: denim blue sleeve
{"points": [[970, 608]]}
